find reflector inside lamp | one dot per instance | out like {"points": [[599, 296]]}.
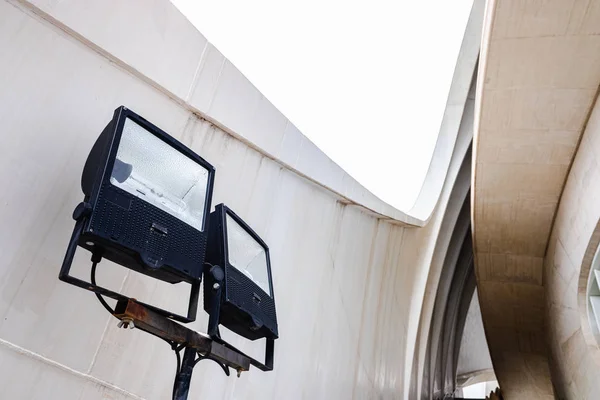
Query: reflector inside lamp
{"points": [[247, 255], [155, 172]]}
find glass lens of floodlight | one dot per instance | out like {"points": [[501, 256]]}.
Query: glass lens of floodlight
{"points": [[247, 255], [150, 169]]}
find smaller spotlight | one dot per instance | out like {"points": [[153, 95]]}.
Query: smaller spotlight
{"points": [[243, 292]]}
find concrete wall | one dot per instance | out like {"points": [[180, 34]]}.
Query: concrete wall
{"points": [[575, 355], [349, 270]]}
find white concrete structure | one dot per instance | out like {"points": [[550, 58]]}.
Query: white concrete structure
{"points": [[534, 193], [355, 279]]}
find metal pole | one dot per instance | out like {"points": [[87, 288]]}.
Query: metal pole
{"points": [[184, 376]]}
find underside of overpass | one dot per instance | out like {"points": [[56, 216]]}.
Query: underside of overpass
{"points": [[537, 85], [534, 234]]}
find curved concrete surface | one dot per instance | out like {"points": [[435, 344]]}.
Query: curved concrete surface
{"points": [[459, 220], [444, 206], [187, 68], [444, 243], [574, 351], [352, 273], [538, 77], [461, 89], [455, 223]]}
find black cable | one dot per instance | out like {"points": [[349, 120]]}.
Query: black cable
{"points": [[100, 298], [176, 348], [178, 355]]}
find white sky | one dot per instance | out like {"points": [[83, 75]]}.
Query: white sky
{"points": [[479, 390], [366, 81]]}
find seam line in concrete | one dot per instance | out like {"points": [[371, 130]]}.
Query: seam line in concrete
{"points": [[38, 357]]}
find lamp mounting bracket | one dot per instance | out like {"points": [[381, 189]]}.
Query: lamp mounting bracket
{"points": [[197, 346]]}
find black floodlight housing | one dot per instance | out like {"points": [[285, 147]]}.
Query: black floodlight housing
{"points": [[244, 301], [146, 206]]}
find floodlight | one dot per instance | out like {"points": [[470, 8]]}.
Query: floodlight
{"points": [[147, 201], [243, 299], [146, 206]]}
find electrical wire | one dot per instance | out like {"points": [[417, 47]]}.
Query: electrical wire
{"points": [[99, 296], [176, 348]]}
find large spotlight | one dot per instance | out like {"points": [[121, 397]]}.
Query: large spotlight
{"points": [[242, 299], [146, 206]]}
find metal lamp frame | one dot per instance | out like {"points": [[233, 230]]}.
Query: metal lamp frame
{"points": [[81, 216], [146, 317]]}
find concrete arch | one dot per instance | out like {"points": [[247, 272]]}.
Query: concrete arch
{"points": [[434, 333], [573, 351], [582, 289], [452, 232], [463, 287], [443, 324], [452, 219], [534, 97]]}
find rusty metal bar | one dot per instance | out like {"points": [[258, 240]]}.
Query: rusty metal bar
{"points": [[150, 321]]}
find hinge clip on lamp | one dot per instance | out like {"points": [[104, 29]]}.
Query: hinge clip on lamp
{"points": [[146, 207]]}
